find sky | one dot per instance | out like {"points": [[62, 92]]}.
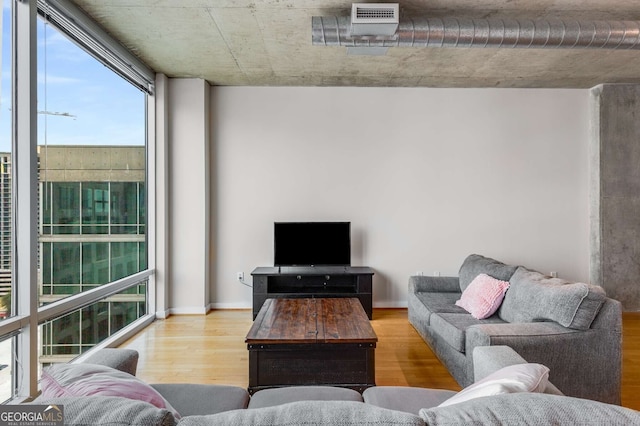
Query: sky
{"points": [[99, 107]]}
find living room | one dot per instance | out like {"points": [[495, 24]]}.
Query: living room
{"points": [[425, 175]]}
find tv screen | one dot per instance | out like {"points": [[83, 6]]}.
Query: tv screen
{"points": [[312, 243]]}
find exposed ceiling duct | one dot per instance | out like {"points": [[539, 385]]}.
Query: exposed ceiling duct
{"points": [[463, 32]]}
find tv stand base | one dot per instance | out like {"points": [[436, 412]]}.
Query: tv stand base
{"points": [[313, 281]]}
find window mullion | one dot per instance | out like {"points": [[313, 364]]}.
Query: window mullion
{"points": [[25, 175], [71, 303]]}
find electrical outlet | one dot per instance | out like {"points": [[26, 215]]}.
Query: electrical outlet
{"points": [[240, 276], [553, 274]]}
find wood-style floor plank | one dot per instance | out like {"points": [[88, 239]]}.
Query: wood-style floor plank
{"points": [[631, 360], [210, 349]]}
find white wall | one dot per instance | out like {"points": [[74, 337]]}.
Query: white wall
{"points": [[425, 176]]}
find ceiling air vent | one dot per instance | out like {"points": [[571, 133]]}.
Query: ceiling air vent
{"points": [[374, 19]]}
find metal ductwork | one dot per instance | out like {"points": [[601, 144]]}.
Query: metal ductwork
{"points": [[462, 32]]}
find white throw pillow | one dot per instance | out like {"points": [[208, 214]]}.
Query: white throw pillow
{"points": [[511, 379]]}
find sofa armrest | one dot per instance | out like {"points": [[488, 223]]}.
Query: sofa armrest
{"points": [[192, 399], [422, 284], [489, 359], [593, 355], [121, 359]]}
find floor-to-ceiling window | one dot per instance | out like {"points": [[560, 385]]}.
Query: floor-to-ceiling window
{"points": [[92, 180], [74, 144]]}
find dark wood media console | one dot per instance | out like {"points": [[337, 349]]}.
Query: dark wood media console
{"points": [[312, 281]]}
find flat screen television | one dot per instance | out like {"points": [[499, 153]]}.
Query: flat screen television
{"points": [[312, 244]]}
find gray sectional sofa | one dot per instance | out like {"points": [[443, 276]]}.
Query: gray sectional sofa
{"points": [[205, 405], [572, 328]]}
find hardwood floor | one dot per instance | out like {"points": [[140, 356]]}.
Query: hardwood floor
{"points": [[211, 349], [631, 360]]}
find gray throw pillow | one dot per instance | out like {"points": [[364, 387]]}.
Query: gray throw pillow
{"points": [[109, 411], [536, 297], [476, 264], [524, 409]]}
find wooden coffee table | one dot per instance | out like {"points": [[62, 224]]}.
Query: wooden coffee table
{"points": [[319, 341]]}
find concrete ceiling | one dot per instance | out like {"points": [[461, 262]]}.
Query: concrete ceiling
{"points": [[268, 43]]}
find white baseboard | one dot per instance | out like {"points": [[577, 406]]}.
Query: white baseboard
{"points": [[163, 314], [231, 306], [391, 304], [199, 310]]}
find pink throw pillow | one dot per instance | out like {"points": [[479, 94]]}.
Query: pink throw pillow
{"points": [[90, 379], [483, 296]]}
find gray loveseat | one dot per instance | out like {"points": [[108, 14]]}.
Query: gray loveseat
{"points": [[572, 328], [204, 405]]}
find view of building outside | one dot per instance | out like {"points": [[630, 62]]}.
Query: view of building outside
{"points": [[92, 232], [92, 225]]}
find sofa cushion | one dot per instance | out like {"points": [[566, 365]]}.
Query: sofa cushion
{"points": [[405, 398], [536, 297], [277, 396], [476, 264], [440, 303], [510, 379], [483, 296], [196, 399], [452, 327], [343, 413], [530, 409], [80, 380], [109, 411]]}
